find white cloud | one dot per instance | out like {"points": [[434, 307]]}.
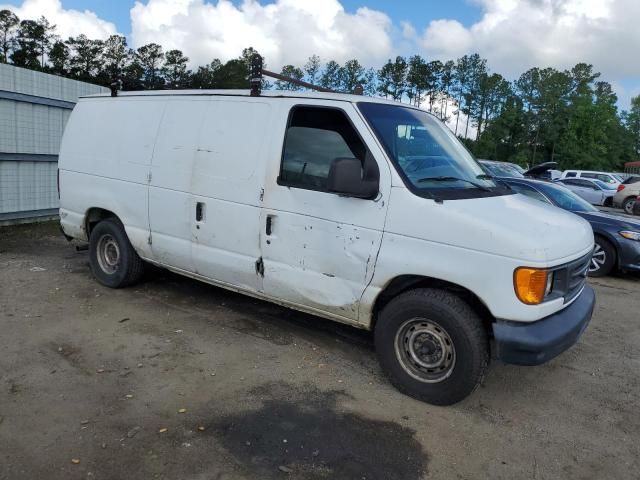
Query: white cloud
{"points": [[517, 34], [285, 31], [68, 22]]}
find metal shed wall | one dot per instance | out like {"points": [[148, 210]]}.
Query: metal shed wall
{"points": [[34, 109]]}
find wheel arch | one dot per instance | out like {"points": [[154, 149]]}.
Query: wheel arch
{"points": [[404, 283], [95, 215]]}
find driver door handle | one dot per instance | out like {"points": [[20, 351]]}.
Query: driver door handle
{"points": [[269, 225], [199, 211]]}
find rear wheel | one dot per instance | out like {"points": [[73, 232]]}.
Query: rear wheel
{"points": [[604, 258], [432, 345], [627, 205], [113, 260]]}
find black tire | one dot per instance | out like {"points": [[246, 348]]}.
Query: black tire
{"points": [[627, 205], [604, 258], [113, 260], [427, 310]]}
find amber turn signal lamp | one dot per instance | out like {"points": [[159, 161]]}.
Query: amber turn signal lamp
{"points": [[531, 285]]}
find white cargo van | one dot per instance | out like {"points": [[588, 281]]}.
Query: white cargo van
{"points": [[359, 210]]}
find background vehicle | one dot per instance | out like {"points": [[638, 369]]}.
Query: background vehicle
{"points": [[593, 191], [503, 169], [629, 178], [617, 237], [605, 177], [625, 197], [544, 171], [636, 206], [358, 210]]}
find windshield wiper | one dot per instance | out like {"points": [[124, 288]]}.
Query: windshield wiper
{"points": [[451, 179]]}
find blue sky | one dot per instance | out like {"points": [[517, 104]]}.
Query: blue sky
{"points": [[513, 35], [418, 11]]}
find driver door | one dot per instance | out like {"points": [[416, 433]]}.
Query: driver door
{"points": [[319, 248]]}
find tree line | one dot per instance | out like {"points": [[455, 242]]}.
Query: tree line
{"points": [[567, 116]]}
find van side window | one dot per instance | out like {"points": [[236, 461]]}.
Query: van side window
{"points": [[315, 137], [570, 174]]}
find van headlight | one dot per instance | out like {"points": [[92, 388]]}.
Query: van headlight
{"points": [[532, 285], [631, 235]]}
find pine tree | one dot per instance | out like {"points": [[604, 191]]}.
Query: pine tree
{"points": [[291, 72], [312, 69], [9, 22], [175, 71], [151, 58]]}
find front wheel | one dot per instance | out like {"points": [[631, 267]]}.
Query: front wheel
{"points": [[603, 259], [113, 260], [432, 345]]}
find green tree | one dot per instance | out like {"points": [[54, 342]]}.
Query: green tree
{"points": [[9, 22], [207, 76], [369, 83], [417, 74], [291, 72], [175, 71], [477, 69], [59, 58], [352, 76], [446, 84], [133, 73], [233, 74], [462, 75], [433, 73], [632, 122], [312, 69], [151, 58], [26, 53], [392, 78], [46, 37], [332, 75], [115, 56], [86, 57]]}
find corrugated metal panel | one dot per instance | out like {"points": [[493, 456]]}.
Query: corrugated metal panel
{"points": [[29, 128], [30, 82], [28, 186], [32, 128]]}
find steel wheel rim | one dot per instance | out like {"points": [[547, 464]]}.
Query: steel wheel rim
{"points": [[108, 253], [598, 258], [425, 350]]}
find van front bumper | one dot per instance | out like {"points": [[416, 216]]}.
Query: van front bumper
{"points": [[538, 342]]}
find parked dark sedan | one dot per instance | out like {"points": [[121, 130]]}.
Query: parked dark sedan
{"points": [[617, 237]]}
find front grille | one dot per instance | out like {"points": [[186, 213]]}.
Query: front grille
{"points": [[570, 278]]}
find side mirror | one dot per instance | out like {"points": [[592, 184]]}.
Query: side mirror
{"points": [[348, 177]]}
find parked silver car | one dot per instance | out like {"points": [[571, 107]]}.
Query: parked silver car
{"points": [[595, 192]]}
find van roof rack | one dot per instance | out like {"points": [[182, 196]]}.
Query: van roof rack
{"points": [[257, 73]]}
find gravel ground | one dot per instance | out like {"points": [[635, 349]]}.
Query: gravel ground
{"points": [[174, 379]]}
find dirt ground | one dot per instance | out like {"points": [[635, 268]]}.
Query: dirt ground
{"points": [[93, 383]]}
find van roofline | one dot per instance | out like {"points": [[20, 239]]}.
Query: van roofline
{"points": [[345, 97]]}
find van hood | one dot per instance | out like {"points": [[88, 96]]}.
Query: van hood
{"points": [[510, 225]]}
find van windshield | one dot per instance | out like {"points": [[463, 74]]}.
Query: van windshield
{"points": [[431, 160]]}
